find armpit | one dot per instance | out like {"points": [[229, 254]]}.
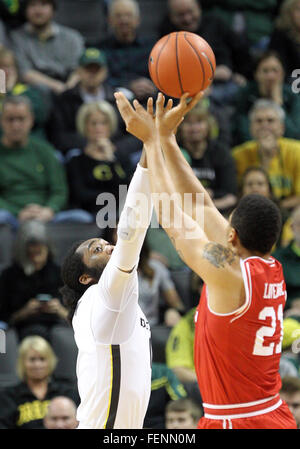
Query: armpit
{"points": [[218, 255]]}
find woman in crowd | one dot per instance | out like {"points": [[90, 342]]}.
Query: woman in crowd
{"points": [[98, 168], [268, 83], [23, 406], [210, 160]]}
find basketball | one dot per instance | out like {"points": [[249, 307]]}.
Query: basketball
{"points": [[181, 62]]}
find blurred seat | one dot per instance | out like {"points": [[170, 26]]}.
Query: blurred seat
{"points": [[63, 235], [8, 358], [159, 337], [6, 246], [86, 16]]}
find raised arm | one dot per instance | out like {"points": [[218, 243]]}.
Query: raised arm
{"points": [[183, 177]]}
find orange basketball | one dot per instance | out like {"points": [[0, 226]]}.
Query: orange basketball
{"points": [[181, 62]]}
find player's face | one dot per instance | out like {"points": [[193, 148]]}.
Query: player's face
{"points": [[185, 14], [39, 13], [256, 182], [180, 420], [96, 252]]}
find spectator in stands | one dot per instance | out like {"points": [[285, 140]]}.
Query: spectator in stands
{"points": [[32, 180], [268, 83], [210, 160], [92, 87], [182, 414], [279, 156], [30, 299], [290, 259], [41, 102], [165, 386], [97, 169], [256, 180], [61, 414], [186, 15], [255, 18], [155, 285], [180, 354], [24, 406], [127, 50], [285, 38], [47, 52], [290, 393]]}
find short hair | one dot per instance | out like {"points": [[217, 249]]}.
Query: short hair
{"points": [[290, 384], [185, 405], [18, 100], [52, 2], [258, 222], [40, 345], [267, 104], [100, 106], [134, 3]]}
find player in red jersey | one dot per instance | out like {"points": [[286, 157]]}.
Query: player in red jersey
{"points": [[239, 318]]}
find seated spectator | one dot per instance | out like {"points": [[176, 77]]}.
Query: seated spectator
{"points": [[285, 38], [30, 298], [256, 180], [165, 386], [180, 354], [210, 160], [182, 414], [41, 102], [279, 156], [92, 87], [186, 15], [268, 83], [24, 406], [254, 18], [289, 257], [155, 283], [127, 50], [32, 180], [61, 414], [47, 53], [97, 169], [290, 393]]}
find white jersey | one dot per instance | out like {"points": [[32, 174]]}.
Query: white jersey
{"points": [[114, 379], [112, 333]]}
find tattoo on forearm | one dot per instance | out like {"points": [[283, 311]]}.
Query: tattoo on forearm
{"points": [[218, 255]]}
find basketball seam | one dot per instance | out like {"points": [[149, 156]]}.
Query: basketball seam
{"points": [[156, 65], [203, 71], [209, 62], [177, 63]]}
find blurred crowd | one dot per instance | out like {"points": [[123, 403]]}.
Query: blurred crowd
{"points": [[63, 144]]}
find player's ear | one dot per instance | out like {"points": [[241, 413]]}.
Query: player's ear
{"points": [[85, 279], [232, 236]]}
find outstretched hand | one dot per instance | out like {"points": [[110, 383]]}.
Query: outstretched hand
{"points": [[168, 118], [139, 121]]}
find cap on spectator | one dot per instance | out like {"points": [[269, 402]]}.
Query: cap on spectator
{"points": [[92, 56]]}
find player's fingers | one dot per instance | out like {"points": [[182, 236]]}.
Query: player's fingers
{"points": [[138, 107], [169, 104], [183, 100], [159, 104], [123, 104], [150, 106]]}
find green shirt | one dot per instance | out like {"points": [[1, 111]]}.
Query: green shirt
{"points": [[31, 174]]}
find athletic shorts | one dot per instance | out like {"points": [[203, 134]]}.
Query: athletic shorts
{"points": [[281, 418]]}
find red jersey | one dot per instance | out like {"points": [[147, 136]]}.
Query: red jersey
{"points": [[237, 354]]}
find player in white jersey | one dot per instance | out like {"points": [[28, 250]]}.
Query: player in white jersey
{"points": [[111, 331]]}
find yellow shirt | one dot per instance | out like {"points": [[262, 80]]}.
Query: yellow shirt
{"points": [[284, 170]]}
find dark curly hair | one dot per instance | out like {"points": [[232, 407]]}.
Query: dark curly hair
{"points": [[257, 221], [71, 270]]}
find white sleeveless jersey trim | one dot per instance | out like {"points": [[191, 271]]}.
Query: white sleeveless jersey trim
{"points": [[248, 289], [243, 404]]}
